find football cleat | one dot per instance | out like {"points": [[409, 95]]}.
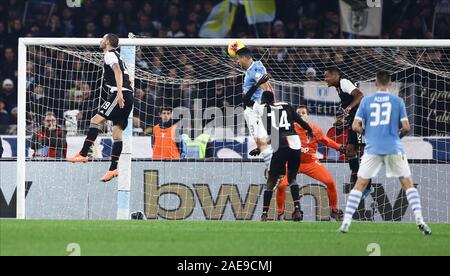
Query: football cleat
{"points": [[345, 227], [337, 214], [78, 158], [264, 217], [110, 175], [297, 215], [425, 229], [280, 216]]}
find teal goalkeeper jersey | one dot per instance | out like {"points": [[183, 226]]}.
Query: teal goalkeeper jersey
{"points": [[381, 115]]}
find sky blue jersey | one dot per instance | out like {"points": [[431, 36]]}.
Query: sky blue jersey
{"points": [[381, 115], [252, 76]]}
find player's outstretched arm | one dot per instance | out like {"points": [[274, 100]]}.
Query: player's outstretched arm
{"points": [[322, 138]]}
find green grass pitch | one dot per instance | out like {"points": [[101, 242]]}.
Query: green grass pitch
{"points": [[235, 238]]}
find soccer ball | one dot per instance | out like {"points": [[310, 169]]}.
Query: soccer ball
{"points": [[234, 47]]}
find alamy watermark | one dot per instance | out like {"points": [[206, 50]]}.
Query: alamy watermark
{"points": [[374, 3], [73, 3], [374, 249], [74, 249]]}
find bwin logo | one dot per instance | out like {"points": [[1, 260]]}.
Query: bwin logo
{"points": [[73, 3], [374, 3]]}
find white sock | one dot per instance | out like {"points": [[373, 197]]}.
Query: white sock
{"points": [[414, 200], [354, 198], [267, 155]]}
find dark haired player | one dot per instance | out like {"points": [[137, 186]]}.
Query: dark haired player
{"points": [[254, 71], [116, 108], [280, 119], [350, 97]]}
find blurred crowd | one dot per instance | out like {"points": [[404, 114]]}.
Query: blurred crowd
{"points": [[402, 19]]}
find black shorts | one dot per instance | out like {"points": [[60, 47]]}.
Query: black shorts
{"points": [[355, 138], [279, 160], [111, 111]]}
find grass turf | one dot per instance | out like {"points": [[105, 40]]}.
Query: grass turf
{"points": [[186, 238]]}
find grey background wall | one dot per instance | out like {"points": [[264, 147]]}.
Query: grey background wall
{"points": [[189, 190]]}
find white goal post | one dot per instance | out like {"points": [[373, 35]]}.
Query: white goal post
{"points": [[150, 42]]}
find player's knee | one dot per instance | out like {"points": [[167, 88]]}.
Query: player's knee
{"points": [[283, 184], [272, 181], [97, 120], [117, 133], [261, 143], [292, 181], [121, 124], [117, 136]]}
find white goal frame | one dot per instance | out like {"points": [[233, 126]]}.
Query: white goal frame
{"points": [[25, 42]]}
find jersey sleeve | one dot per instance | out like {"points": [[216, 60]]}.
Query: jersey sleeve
{"points": [[111, 59], [347, 86], [260, 70], [324, 139], [403, 115]]}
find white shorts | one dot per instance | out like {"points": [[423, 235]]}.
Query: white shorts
{"points": [[255, 124], [396, 166]]}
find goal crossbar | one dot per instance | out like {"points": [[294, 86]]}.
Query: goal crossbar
{"points": [[250, 42]]}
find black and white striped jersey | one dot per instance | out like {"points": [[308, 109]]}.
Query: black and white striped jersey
{"points": [[113, 57], [279, 120], [345, 90]]}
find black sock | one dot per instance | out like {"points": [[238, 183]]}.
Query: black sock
{"points": [[295, 192], [266, 202], [369, 186], [90, 139], [116, 151], [353, 163]]}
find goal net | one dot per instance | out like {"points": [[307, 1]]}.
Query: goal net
{"points": [[189, 142]]}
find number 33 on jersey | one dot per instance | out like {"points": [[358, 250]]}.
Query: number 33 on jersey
{"points": [[381, 115]]}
